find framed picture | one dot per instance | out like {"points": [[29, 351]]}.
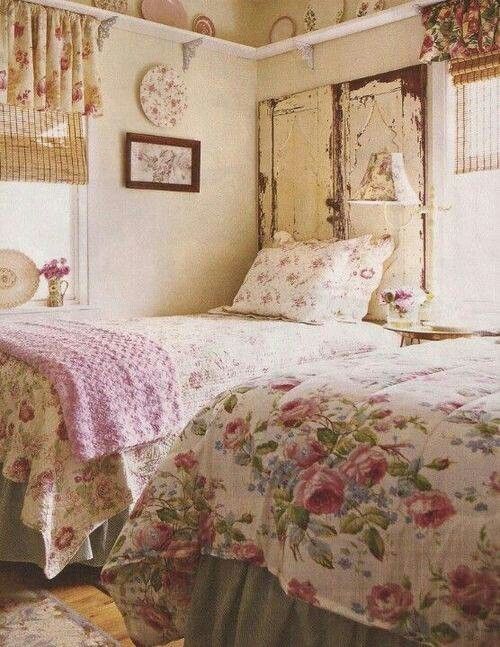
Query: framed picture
{"points": [[164, 163]]}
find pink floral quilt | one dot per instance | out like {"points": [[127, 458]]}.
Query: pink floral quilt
{"points": [[66, 497], [370, 489]]}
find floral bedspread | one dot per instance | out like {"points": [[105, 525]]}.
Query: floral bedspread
{"points": [[67, 498], [369, 488]]}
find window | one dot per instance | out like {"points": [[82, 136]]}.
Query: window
{"points": [[465, 235], [477, 83], [42, 207]]}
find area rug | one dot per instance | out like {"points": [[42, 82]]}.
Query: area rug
{"points": [[38, 619]]}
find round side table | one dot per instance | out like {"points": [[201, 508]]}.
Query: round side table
{"points": [[416, 334]]}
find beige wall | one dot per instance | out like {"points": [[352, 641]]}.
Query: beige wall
{"points": [[160, 252], [371, 52]]}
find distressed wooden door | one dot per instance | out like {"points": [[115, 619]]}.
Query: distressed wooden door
{"points": [[296, 184], [384, 113]]}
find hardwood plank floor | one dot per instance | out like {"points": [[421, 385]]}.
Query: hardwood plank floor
{"points": [[76, 587]]}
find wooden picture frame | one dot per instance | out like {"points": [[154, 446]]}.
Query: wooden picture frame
{"points": [[176, 168]]}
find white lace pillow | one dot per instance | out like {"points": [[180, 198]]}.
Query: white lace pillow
{"points": [[310, 281]]}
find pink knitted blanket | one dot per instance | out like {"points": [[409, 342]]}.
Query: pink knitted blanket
{"points": [[116, 389]]}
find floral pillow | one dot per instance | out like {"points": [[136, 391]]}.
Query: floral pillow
{"points": [[314, 281]]}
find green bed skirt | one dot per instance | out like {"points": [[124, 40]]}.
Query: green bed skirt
{"points": [[239, 605], [18, 543]]}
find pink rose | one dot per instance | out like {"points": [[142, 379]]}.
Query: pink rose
{"points": [[26, 412], [108, 577], [494, 481], [302, 590], [305, 454], [154, 536], [155, 618], [18, 29], [64, 537], [429, 509], [320, 490], [388, 602], [186, 461], [20, 469], [61, 431], [185, 553], [367, 273], [474, 592], [235, 433], [286, 384], [294, 412], [365, 465], [195, 380], [247, 551]]}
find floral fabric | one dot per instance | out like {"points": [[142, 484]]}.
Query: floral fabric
{"points": [[370, 489], [314, 281], [459, 29], [66, 498], [49, 60]]}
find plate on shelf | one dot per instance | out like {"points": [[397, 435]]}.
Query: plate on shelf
{"points": [[118, 6], [19, 278], [284, 27], [203, 25], [166, 12], [369, 6], [163, 96]]}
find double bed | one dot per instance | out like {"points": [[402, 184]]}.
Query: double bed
{"points": [[340, 503], [56, 507]]}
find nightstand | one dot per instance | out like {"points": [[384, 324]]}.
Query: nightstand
{"points": [[416, 334]]}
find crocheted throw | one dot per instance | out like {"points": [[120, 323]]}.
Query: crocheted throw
{"points": [[116, 389]]}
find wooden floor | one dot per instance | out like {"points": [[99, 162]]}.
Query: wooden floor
{"points": [[76, 587]]}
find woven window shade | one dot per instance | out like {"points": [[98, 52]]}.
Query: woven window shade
{"points": [[42, 146], [477, 83]]}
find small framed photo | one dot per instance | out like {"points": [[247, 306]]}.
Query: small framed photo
{"points": [[164, 163]]}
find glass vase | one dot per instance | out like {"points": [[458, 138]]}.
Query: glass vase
{"points": [[398, 319]]}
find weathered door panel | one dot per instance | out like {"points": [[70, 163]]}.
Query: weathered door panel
{"points": [[386, 112], [295, 165]]}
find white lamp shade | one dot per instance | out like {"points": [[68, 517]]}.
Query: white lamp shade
{"points": [[385, 180]]}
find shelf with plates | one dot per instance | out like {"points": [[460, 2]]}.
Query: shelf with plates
{"points": [[304, 43]]}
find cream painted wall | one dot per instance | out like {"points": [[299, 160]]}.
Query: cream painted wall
{"points": [[161, 252], [371, 52]]}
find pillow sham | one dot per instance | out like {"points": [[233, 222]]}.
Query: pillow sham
{"points": [[313, 281]]}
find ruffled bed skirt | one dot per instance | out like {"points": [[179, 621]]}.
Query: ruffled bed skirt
{"points": [[18, 543], [235, 604]]}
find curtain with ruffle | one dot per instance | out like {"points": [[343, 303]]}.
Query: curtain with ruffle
{"points": [[459, 29], [49, 59]]}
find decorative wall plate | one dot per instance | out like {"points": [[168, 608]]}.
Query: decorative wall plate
{"points": [[284, 27], [203, 25], [19, 278], [163, 96], [369, 6], [118, 6], [167, 12]]}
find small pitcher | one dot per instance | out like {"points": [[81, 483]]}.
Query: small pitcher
{"points": [[57, 290]]}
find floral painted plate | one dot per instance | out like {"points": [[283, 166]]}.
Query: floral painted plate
{"points": [[19, 278], [203, 25], [163, 96], [118, 6], [369, 6]]}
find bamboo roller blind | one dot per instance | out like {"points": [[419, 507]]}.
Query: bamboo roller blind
{"points": [[477, 82], [42, 146]]}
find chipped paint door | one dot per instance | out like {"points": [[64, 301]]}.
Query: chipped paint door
{"points": [[385, 113], [295, 165]]}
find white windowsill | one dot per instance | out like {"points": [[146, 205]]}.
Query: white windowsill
{"points": [[38, 307]]}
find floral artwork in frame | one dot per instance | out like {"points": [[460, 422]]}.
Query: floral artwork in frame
{"points": [[165, 163]]}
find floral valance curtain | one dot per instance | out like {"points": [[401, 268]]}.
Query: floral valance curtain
{"points": [[459, 29], [49, 59]]}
